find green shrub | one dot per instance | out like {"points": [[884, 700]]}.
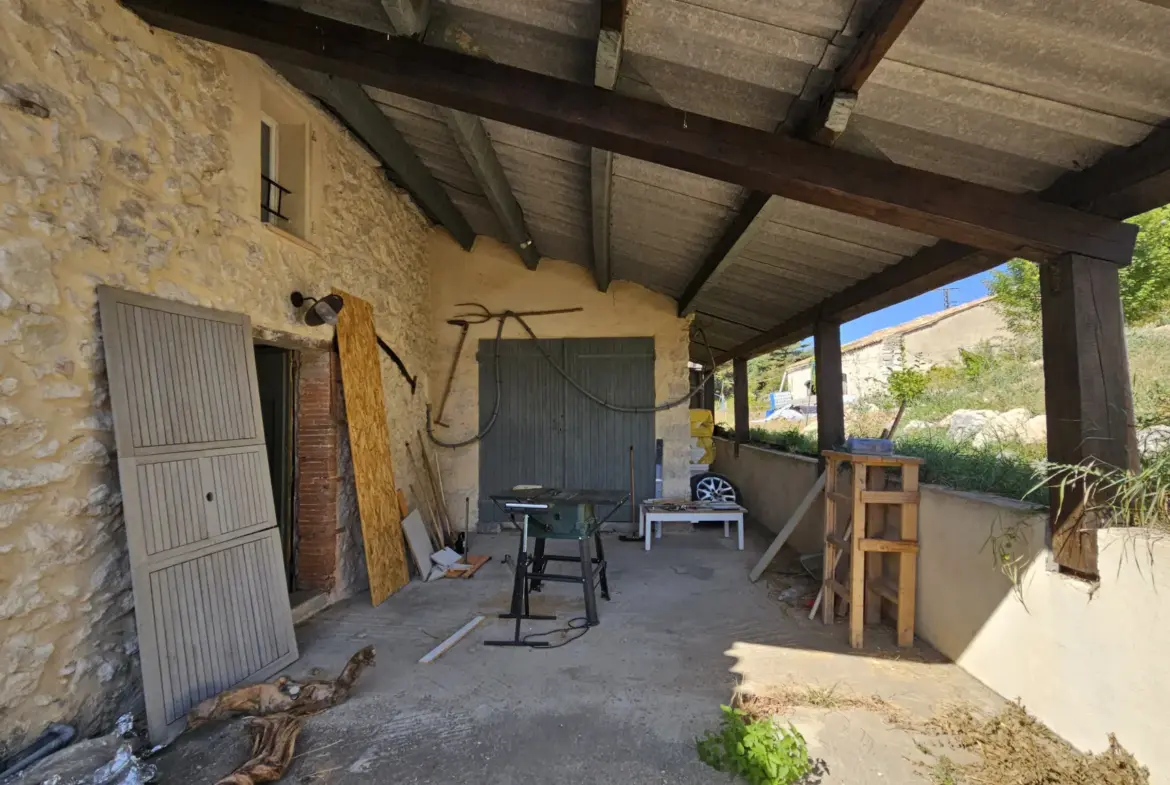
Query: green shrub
{"points": [[787, 441], [1003, 469], [760, 751]]}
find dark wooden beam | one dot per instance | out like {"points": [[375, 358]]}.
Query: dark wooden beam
{"points": [[830, 390], [1089, 404], [359, 112], [476, 146], [1122, 184], [888, 21], [739, 380], [824, 125], [408, 17], [942, 206], [412, 18], [607, 64]]}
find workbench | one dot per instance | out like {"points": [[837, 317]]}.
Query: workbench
{"points": [[655, 512]]}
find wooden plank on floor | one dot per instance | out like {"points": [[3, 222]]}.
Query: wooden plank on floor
{"points": [[369, 438]]}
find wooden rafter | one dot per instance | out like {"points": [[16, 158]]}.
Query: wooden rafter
{"points": [[888, 22], [607, 64], [942, 206], [1122, 184], [413, 18]]}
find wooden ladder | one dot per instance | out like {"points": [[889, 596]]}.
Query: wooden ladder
{"points": [[868, 582]]}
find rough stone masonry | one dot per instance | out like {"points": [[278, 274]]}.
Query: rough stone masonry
{"points": [[141, 176]]}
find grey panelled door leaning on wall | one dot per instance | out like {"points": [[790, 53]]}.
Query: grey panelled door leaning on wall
{"points": [[205, 557]]}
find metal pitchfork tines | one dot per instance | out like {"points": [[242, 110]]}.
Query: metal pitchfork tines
{"points": [[481, 313]]}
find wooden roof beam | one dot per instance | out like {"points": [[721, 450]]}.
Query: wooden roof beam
{"points": [[823, 125], [607, 64], [1122, 184], [476, 146], [358, 111], [964, 212], [412, 18]]}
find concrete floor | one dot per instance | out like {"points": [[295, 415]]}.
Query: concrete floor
{"points": [[622, 704]]}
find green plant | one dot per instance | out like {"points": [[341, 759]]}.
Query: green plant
{"points": [[1117, 497], [759, 751], [906, 385], [1145, 284]]}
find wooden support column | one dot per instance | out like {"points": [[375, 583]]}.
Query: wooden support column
{"points": [[830, 395], [742, 421], [1087, 390]]}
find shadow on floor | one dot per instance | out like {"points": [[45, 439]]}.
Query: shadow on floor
{"points": [[623, 704]]}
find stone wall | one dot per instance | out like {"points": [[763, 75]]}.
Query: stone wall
{"points": [[145, 175], [493, 275]]}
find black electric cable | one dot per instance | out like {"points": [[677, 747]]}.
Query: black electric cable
{"points": [[691, 393], [583, 626]]}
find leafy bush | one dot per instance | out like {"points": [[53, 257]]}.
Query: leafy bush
{"points": [[786, 441], [758, 751], [1003, 469]]}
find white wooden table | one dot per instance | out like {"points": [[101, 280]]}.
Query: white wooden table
{"points": [[652, 516]]}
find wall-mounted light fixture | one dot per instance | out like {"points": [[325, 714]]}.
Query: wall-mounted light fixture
{"points": [[322, 311]]}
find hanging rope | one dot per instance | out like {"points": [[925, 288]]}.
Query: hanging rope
{"points": [[597, 399]]}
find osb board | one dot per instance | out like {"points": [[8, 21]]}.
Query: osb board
{"points": [[369, 437]]}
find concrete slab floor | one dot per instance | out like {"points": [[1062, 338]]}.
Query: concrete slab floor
{"points": [[623, 704]]}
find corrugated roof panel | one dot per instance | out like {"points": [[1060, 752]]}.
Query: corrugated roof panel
{"points": [[663, 221], [707, 58], [472, 28], [1109, 56], [425, 129], [550, 179], [1013, 94]]}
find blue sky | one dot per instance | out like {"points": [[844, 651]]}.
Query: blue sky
{"points": [[963, 291]]}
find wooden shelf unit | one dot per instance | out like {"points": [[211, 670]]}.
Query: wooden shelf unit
{"points": [[867, 584]]}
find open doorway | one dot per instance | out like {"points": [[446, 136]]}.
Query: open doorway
{"points": [[274, 376]]}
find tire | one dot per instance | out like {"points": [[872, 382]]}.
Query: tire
{"points": [[710, 486]]}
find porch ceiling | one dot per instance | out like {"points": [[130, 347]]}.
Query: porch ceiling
{"points": [[1001, 93]]}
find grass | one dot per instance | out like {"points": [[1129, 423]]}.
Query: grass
{"points": [[1006, 470], [1001, 379], [1013, 747]]}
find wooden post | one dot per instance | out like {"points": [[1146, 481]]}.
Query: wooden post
{"points": [[742, 423], [709, 394], [830, 402], [1087, 390], [857, 562]]}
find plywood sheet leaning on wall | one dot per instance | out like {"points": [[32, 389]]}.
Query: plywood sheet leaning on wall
{"points": [[369, 437]]}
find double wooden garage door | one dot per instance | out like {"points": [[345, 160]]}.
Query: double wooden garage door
{"points": [[209, 587], [548, 433]]}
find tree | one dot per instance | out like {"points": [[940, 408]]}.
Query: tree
{"points": [[1145, 283]]}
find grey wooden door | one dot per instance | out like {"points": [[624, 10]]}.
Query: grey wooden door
{"points": [[547, 433], [205, 556]]}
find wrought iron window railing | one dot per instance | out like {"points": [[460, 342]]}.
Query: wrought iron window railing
{"points": [[272, 196]]}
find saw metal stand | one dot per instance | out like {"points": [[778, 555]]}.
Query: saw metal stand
{"points": [[555, 521]]}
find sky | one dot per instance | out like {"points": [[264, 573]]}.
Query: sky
{"points": [[963, 291]]}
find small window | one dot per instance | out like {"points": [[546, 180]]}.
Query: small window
{"points": [[272, 193], [844, 384]]}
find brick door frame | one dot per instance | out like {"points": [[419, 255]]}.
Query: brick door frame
{"points": [[317, 423]]}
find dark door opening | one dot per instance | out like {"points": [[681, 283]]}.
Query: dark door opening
{"points": [[274, 376]]}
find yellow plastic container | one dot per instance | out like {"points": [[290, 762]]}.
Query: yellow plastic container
{"points": [[702, 422]]}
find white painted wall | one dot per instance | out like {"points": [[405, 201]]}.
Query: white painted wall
{"points": [[1085, 662]]}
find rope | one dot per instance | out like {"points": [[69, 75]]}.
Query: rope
{"points": [[661, 407]]}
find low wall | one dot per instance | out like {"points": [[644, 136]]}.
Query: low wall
{"points": [[1087, 661]]}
